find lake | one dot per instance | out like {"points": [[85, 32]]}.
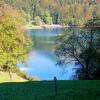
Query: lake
{"points": [[42, 60]]}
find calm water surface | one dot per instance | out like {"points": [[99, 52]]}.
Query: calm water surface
{"points": [[42, 60]]}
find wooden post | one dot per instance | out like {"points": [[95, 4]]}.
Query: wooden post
{"points": [[55, 85]]}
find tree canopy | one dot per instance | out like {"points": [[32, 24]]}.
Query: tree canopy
{"points": [[82, 46], [14, 42], [60, 11]]}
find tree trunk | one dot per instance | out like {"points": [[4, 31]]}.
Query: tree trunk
{"points": [[86, 71], [86, 75], [10, 74]]}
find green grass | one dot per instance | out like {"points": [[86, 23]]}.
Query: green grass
{"points": [[4, 77], [44, 90]]}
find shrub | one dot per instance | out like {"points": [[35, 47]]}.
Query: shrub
{"points": [[37, 21]]}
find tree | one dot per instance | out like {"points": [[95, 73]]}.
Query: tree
{"points": [[47, 17], [90, 54], [15, 44], [82, 47], [37, 21], [49, 20]]}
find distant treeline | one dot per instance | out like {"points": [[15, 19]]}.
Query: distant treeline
{"points": [[57, 11]]}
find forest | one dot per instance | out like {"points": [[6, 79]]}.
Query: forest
{"points": [[61, 12]]}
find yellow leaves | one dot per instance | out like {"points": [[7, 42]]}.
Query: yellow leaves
{"points": [[3, 58], [13, 17], [85, 1], [45, 3], [90, 11], [13, 40], [79, 10]]}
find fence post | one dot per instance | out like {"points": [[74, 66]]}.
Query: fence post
{"points": [[55, 85]]}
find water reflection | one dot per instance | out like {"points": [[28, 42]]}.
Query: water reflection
{"points": [[42, 61]]}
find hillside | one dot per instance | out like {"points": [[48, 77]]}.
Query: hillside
{"points": [[44, 90]]}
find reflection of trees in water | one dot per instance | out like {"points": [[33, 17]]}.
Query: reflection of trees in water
{"points": [[45, 39], [44, 42]]}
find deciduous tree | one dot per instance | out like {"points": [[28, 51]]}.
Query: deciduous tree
{"points": [[15, 43]]}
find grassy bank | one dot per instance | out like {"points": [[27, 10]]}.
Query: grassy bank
{"points": [[4, 77], [44, 90]]}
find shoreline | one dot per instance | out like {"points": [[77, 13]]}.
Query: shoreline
{"points": [[46, 26]]}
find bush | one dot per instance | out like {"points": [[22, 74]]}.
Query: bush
{"points": [[37, 21], [49, 20], [47, 17]]}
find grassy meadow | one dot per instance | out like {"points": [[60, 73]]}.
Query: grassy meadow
{"points": [[44, 90]]}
